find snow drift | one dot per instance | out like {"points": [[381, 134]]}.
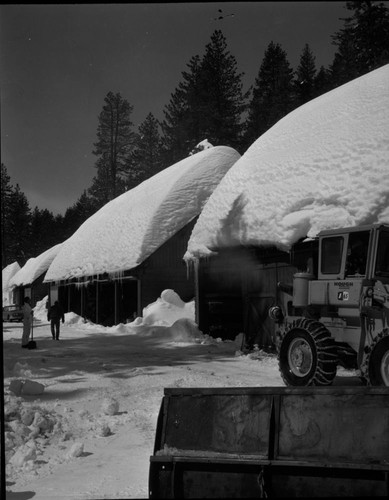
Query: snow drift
{"points": [[34, 267], [323, 166], [123, 233]]}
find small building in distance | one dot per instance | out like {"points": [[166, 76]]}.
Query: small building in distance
{"points": [[29, 280], [8, 291]]}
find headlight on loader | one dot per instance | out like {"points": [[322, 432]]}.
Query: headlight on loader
{"points": [[275, 314]]}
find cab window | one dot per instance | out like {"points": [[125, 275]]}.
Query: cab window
{"points": [[382, 263], [358, 244], [331, 255]]}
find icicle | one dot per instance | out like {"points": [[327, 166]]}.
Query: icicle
{"points": [[192, 265], [116, 275]]}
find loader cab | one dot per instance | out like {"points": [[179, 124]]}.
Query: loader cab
{"points": [[345, 254]]}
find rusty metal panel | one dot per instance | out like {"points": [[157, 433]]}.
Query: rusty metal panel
{"points": [[341, 428], [237, 424], [315, 486], [280, 441]]}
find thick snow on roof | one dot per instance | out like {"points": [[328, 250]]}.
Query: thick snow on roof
{"points": [[323, 166], [34, 267], [123, 233], [7, 273]]}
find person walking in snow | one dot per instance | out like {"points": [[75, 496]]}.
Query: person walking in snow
{"points": [[27, 321], [55, 315]]}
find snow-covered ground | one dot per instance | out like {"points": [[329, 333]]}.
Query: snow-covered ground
{"points": [[90, 433]]}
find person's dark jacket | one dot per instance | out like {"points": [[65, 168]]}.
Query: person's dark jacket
{"points": [[56, 313]]}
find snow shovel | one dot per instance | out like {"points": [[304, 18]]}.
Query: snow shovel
{"points": [[32, 343]]}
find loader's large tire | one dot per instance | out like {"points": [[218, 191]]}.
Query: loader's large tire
{"points": [[376, 367], [308, 354]]}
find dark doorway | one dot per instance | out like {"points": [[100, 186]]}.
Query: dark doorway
{"points": [[127, 300], [259, 328]]}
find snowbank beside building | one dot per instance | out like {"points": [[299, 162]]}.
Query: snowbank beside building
{"points": [[169, 318], [323, 166]]}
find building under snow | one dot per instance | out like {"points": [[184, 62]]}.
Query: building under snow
{"points": [[128, 252], [8, 291], [28, 281], [323, 166]]}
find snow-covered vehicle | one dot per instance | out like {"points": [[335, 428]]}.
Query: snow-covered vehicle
{"points": [[337, 313]]}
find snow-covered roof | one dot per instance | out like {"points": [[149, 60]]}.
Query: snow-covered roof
{"points": [[34, 267], [323, 166], [128, 229], [7, 273]]}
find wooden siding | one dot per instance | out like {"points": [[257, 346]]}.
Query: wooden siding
{"points": [[36, 291], [165, 268], [236, 289]]}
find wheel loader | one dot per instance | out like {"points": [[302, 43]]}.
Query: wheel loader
{"points": [[309, 439], [337, 312]]}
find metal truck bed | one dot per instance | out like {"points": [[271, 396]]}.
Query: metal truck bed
{"points": [[272, 441]]}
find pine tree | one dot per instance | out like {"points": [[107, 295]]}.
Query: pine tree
{"points": [[371, 28], [18, 228], [363, 41], [208, 103], [344, 66], [6, 192], [305, 77], [322, 83], [181, 125], [272, 96], [99, 190], [77, 214], [147, 156], [115, 140], [44, 231], [222, 92]]}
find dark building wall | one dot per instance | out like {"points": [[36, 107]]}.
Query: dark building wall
{"points": [[39, 290], [36, 291], [165, 268], [235, 289]]}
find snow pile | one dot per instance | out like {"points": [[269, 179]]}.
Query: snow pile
{"points": [[40, 313], [27, 429], [123, 233], [110, 406], [31, 427], [40, 309], [169, 319], [8, 273], [167, 309], [323, 166], [205, 144], [35, 267]]}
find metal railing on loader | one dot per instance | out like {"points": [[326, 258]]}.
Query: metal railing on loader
{"points": [[272, 442]]}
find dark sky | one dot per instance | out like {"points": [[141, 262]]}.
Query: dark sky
{"points": [[59, 61]]}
